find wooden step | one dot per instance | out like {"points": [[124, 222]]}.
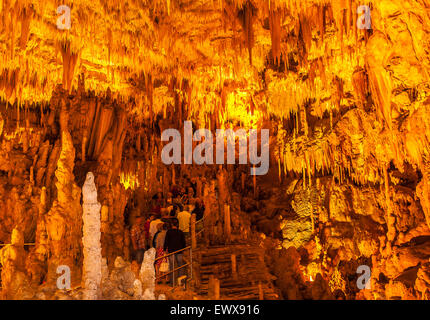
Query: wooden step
{"points": [[251, 279]]}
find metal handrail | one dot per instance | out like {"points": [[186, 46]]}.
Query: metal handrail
{"points": [[169, 254], [178, 268], [25, 244]]}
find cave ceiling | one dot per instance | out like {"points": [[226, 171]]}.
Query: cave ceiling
{"points": [[281, 54]]}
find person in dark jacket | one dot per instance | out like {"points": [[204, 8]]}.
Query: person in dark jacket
{"points": [[199, 209], [174, 241]]}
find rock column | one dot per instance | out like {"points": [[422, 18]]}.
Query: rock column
{"points": [[92, 267]]}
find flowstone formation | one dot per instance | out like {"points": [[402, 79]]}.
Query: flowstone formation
{"points": [[92, 264]]}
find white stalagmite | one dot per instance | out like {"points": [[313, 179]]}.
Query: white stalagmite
{"points": [[147, 275], [92, 266]]}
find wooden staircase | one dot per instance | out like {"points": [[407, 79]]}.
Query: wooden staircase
{"points": [[233, 272]]}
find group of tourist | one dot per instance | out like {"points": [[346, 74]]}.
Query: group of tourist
{"points": [[167, 228]]}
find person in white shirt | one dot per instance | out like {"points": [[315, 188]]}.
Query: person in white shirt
{"points": [[184, 220], [153, 228]]}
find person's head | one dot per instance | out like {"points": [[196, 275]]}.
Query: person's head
{"points": [[175, 223], [174, 211], [160, 226], [151, 217], [198, 202], [190, 191]]}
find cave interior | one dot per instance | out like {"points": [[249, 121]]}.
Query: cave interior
{"points": [[88, 89]]}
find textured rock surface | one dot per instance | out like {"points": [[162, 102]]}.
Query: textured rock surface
{"points": [[147, 275], [63, 222], [92, 264], [15, 282]]}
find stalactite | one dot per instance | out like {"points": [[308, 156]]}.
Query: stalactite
{"points": [[306, 33], [360, 83], [275, 33], [26, 16], [247, 19], [70, 59], [379, 79], [12, 33]]}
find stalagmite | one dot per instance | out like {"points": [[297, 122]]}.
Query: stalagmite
{"points": [[12, 259], [92, 268], [391, 234], [147, 275]]}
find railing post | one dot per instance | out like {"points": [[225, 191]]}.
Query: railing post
{"points": [[211, 286], [260, 291], [173, 270], [191, 263], [193, 231], [227, 223], [216, 289], [234, 266]]}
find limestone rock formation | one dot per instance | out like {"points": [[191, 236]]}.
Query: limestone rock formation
{"points": [[64, 220], [120, 284], [15, 282], [92, 264], [147, 275], [346, 103]]}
